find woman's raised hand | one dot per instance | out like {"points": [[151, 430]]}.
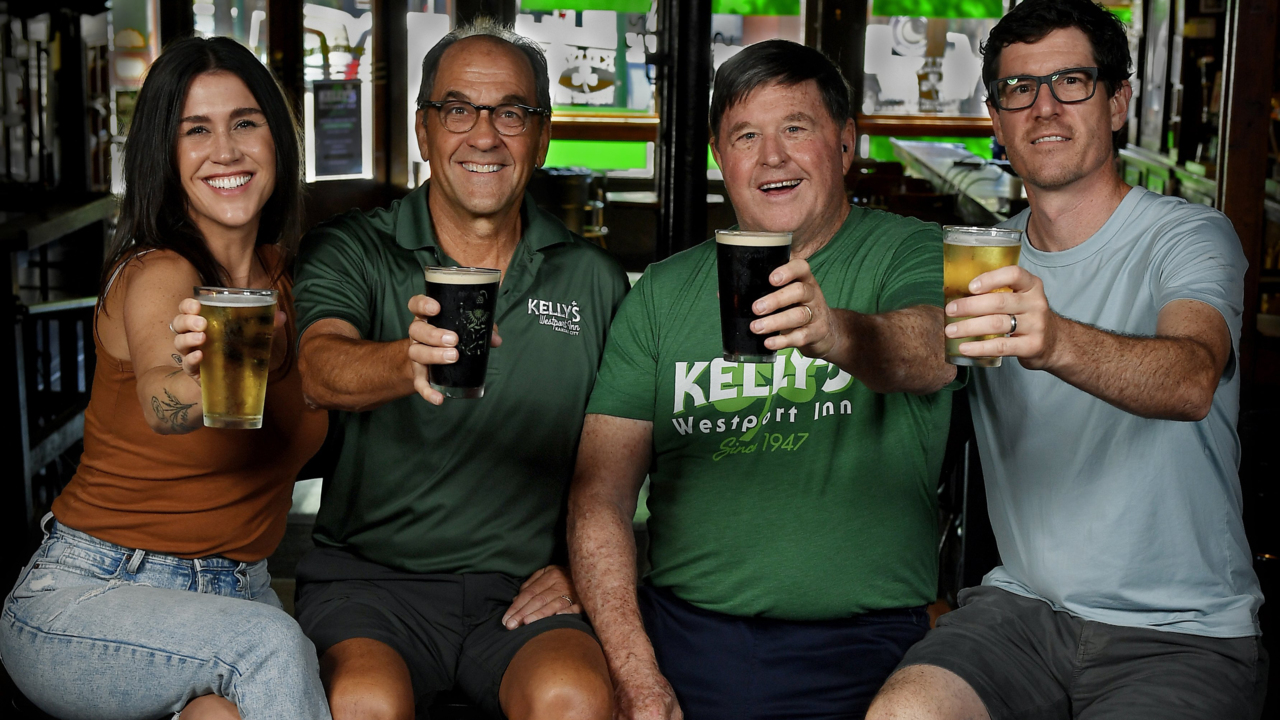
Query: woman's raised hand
{"points": [[188, 328]]}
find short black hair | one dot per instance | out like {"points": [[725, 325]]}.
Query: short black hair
{"points": [[782, 62], [1032, 20]]}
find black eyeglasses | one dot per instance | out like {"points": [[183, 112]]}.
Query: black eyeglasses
{"points": [[459, 116], [1018, 92]]}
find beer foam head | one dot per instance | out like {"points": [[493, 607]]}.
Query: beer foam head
{"points": [[235, 297], [462, 275], [981, 236], [753, 239]]}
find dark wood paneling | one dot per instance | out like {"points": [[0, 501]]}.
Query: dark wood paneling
{"points": [[284, 40], [1244, 142], [589, 127], [923, 126], [177, 20], [684, 74], [396, 43]]}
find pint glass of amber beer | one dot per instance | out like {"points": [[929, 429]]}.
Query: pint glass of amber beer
{"points": [[967, 252], [467, 297], [743, 261], [237, 354]]}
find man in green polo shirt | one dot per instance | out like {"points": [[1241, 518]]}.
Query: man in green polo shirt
{"points": [[436, 534], [793, 522]]}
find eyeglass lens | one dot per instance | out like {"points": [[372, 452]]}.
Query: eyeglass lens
{"points": [[460, 117], [1016, 93]]}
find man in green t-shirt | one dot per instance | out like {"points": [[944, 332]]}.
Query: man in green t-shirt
{"points": [[793, 521], [436, 535]]}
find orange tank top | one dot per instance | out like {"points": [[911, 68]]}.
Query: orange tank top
{"points": [[208, 492]]}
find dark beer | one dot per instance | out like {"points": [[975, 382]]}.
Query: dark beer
{"points": [[744, 261], [237, 355], [467, 297]]}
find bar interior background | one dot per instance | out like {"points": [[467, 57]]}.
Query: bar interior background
{"points": [[628, 169]]}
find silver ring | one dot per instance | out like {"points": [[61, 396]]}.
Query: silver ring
{"points": [[175, 332], [1013, 324], [568, 600], [810, 311]]}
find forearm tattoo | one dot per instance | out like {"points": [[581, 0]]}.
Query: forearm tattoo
{"points": [[178, 359], [172, 411]]}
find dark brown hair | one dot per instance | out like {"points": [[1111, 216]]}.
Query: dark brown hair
{"points": [[154, 210]]}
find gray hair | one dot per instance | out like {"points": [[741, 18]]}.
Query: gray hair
{"points": [[484, 26]]}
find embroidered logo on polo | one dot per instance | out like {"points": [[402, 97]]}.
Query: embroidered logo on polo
{"points": [[561, 317]]}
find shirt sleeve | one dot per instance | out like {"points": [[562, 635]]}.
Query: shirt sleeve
{"points": [[332, 281], [627, 382], [914, 275], [1200, 258]]}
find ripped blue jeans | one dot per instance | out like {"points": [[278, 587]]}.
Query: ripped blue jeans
{"points": [[95, 630]]}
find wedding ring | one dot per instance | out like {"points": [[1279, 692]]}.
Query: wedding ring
{"points": [[1013, 324], [810, 311]]}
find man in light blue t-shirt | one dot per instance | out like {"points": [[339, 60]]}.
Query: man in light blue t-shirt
{"points": [[1107, 437]]}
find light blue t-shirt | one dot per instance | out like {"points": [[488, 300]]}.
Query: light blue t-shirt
{"points": [[1106, 515]]}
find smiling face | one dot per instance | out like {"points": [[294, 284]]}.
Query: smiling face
{"points": [[226, 157], [481, 172], [784, 158], [1051, 145]]}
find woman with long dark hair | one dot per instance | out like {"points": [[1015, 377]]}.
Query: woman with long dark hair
{"points": [[150, 593]]}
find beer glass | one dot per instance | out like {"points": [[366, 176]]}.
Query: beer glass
{"points": [[237, 354], [467, 296], [743, 262], [967, 252]]}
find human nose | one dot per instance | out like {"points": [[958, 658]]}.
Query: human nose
{"points": [[483, 134], [1046, 103], [225, 149], [773, 151]]}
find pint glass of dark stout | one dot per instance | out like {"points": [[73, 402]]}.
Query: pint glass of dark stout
{"points": [[237, 355], [467, 297], [744, 261]]}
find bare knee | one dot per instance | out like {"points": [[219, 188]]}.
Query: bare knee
{"points": [[366, 680], [560, 674], [577, 698], [926, 692], [210, 707]]}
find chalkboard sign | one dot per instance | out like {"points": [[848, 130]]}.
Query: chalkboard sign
{"points": [[338, 138]]}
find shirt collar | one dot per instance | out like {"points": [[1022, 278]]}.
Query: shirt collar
{"points": [[414, 231]]}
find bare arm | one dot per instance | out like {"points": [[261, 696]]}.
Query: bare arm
{"points": [[891, 352], [341, 371], [612, 461], [153, 287], [1171, 376]]}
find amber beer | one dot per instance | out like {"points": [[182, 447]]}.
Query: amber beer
{"points": [[967, 252], [237, 354], [744, 261], [467, 297]]}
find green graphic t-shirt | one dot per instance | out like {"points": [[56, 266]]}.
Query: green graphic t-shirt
{"points": [[785, 490]]}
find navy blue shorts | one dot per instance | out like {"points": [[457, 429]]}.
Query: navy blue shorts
{"points": [[737, 668]]}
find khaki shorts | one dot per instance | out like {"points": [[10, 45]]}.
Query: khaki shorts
{"points": [[1026, 660]]}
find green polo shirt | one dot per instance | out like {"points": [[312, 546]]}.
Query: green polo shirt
{"points": [[789, 489], [472, 485]]}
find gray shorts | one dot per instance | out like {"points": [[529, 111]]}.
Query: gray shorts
{"points": [[447, 628], [1026, 660]]}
